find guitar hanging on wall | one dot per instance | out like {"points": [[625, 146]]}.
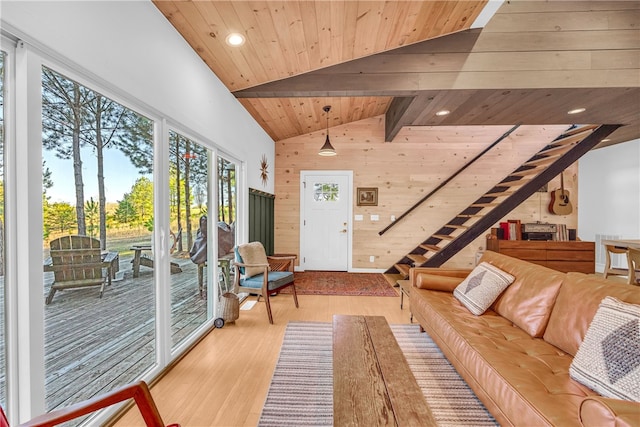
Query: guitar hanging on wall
{"points": [[560, 203]]}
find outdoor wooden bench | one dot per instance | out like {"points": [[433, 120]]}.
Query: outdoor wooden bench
{"points": [[372, 382], [141, 259]]}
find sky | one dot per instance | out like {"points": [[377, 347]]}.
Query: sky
{"points": [[120, 176]]}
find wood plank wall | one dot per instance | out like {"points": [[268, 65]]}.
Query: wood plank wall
{"points": [[404, 171]]}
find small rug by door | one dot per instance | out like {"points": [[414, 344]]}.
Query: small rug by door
{"points": [[342, 283], [301, 390]]}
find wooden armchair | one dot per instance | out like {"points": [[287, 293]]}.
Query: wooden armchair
{"points": [[255, 275], [138, 391], [77, 262]]}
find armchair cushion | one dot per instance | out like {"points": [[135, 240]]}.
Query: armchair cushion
{"points": [[253, 254], [275, 280]]}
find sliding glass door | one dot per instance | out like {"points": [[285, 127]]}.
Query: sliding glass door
{"points": [[105, 284], [189, 207], [3, 347], [98, 216], [227, 220]]}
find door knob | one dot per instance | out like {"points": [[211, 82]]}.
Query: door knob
{"points": [[344, 231]]}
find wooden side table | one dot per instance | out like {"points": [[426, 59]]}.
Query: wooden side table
{"points": [[405, 289]]}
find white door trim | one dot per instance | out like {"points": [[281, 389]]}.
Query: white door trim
{"points": [[349, 175]]}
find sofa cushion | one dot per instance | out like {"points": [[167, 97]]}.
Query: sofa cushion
{"points": [[481, 288], [528, 301], [437, 282], [521, 380], [577, 303], [608, 360]]}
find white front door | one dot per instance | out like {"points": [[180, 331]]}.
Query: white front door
{"points": [[325, 220]]}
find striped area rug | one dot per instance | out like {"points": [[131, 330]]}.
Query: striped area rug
{"points": [[301, 391]]}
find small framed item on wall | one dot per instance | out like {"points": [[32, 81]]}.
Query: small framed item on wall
{"points": [[367, 196]]}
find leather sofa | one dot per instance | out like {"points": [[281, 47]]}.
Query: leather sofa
{"points": [[516, 356]]}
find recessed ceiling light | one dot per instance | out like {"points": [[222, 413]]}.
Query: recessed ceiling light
{"points": [[442, 112], [606, 140], [577, 110], [235, 39]]}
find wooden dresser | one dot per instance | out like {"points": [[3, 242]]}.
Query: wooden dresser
{"points": [[562, 256]]}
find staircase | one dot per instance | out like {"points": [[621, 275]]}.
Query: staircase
{"points": [[505, 196]]}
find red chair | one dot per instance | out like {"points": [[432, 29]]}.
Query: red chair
{"points": [[138, 391]]}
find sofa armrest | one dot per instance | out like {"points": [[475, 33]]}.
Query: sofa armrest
{"points": [[437, 279], [602, 411]]}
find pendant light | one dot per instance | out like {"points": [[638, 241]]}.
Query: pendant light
{"points": [[327, 149]]}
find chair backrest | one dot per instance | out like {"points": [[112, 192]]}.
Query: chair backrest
{"points": [[633, 258], [76, 258]]}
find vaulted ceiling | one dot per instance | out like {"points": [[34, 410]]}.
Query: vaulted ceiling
{"points": [[530, 64]]}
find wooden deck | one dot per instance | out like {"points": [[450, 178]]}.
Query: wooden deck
{"points": [[94, 344]]}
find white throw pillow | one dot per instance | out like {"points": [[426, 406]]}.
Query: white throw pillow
{"points": [[481, 287], [608, 360], [253, 253]]}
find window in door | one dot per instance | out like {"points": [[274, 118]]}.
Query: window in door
{"points": [[326, 192]]}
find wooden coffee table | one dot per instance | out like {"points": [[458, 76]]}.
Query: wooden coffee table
{"points": [[372, 382]]}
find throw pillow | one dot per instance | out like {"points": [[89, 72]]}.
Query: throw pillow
{"points": [[482, 287], [608, 360], [253, 253]]}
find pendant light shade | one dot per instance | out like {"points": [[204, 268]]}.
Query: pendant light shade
{"points": [[327, 149]]}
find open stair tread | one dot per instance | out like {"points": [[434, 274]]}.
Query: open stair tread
{"points": [[392, 278], [403, 269], [580, 129], [484, 205], [432, 248], [527, 172], [458, 226], [570, 139], [542, 161], [514, 183], [417, 258], [443, 236], [499, 193], [555, 149]]}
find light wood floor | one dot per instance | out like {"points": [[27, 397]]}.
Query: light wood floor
{"points": [[223, 381]]}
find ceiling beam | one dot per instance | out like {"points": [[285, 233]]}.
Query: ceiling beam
{"points": [[396, 116], [397, 72], [468, 60]]}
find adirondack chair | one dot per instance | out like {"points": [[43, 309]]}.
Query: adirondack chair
{"points": [[77, 262]]}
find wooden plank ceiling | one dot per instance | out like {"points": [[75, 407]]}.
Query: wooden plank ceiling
{"points": [[530, 64]]}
